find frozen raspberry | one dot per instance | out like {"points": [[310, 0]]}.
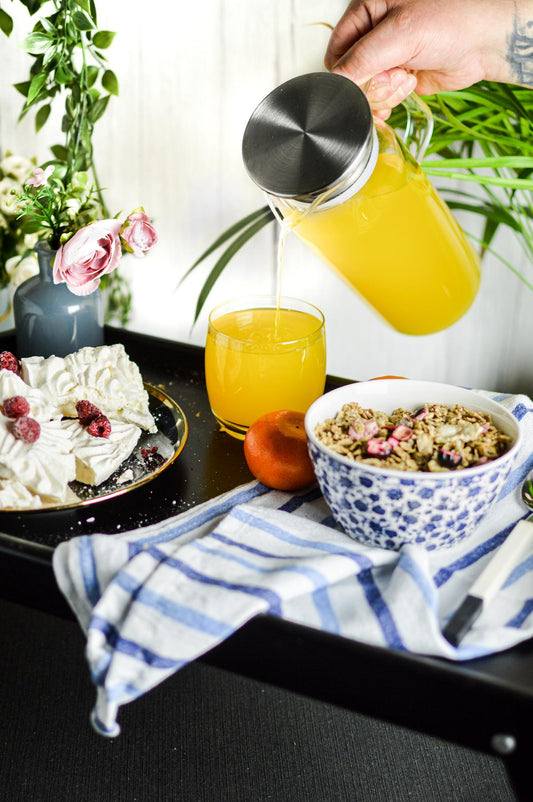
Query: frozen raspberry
{"points": [[9, 362], [25, 428], [402, 432], [16, 406], [152, 459], [87, 411], [99, 427], [379, 448]]}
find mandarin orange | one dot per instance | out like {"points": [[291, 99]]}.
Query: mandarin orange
{"points": [[275, 449]]}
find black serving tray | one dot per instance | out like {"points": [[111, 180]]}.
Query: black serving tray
{"points": [[485, 704]]}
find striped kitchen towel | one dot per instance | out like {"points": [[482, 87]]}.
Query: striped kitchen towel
{"points": [[153, 599]]}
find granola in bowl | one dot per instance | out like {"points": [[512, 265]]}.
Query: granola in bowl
{"points": [[391, 499], [434, 437]]}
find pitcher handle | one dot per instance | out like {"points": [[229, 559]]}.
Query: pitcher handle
{"points": [[419, 125]]}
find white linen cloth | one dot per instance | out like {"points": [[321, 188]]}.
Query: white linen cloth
{"points": [[153, 599]]}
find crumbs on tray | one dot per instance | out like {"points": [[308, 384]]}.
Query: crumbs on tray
{"points": [[433, 438]]}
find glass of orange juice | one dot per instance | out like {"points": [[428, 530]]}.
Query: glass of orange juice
{"points": [[262, 354]]}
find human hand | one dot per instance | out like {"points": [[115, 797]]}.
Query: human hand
{"points": [[392, 47]]}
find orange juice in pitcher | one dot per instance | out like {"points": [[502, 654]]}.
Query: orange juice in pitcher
{"points": [[352, 191]]}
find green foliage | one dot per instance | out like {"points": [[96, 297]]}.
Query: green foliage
{"points": [[67, 63], [56, 210], [69, 66], [482, 136]]}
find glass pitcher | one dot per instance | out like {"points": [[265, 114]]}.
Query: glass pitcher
{"points": [[356, 195]]}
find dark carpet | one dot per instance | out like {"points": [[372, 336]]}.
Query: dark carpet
{"points": [[205, 735]]}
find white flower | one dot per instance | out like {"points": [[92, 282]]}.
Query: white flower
{"points": [[17, 167], [9, 189], [19, 269], [73, 207], [30, 240]]}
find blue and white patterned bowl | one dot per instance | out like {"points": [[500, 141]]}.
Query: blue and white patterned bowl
{"points": [[387, 508]]}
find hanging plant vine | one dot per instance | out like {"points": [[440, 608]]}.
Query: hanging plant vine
{"points": [[68, 65]]}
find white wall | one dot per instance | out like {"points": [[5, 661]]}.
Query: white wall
{"points": [[190, 75]]}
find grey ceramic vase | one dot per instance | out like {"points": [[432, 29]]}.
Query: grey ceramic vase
{"points": [[49, 318]]}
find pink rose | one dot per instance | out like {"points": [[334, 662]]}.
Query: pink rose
{"points": [[91, 252], [138, 234]]}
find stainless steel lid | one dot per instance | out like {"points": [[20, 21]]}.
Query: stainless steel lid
{"points": [[308, 135]]}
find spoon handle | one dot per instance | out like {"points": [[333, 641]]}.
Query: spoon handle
{"points": [[489, 581]]}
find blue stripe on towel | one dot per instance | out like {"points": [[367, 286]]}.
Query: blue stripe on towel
{"points": [[517, 476], [371, 590], [522, 615], [129, 647], [380, 609], [520, 411], [181, 613], [320, 596], [421, 580], [123, 692], [206, 515], [523, 568], [500, 396], [88, 570], [281, 534], [446, 572], [268, 596]]}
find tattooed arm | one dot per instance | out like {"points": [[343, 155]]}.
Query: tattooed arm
{"points": [[396, 46]]}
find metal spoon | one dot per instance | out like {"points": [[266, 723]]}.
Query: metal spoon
{"points": [[527, 492]]}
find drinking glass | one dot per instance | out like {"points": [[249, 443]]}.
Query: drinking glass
{"points": [[263, 353]]}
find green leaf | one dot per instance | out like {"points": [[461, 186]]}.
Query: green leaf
{"points": [[491, 180], [29, 226], [103, 39], [483, 162], [92, 74], [82, 21], [226, 235], [226, 257], [110, 82], [489, 231], [42, 116], [6, 22], [63, 74], [37, 43], [36, 85], [23, 87], [60, 152], [32, 5], [98, 108]]}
